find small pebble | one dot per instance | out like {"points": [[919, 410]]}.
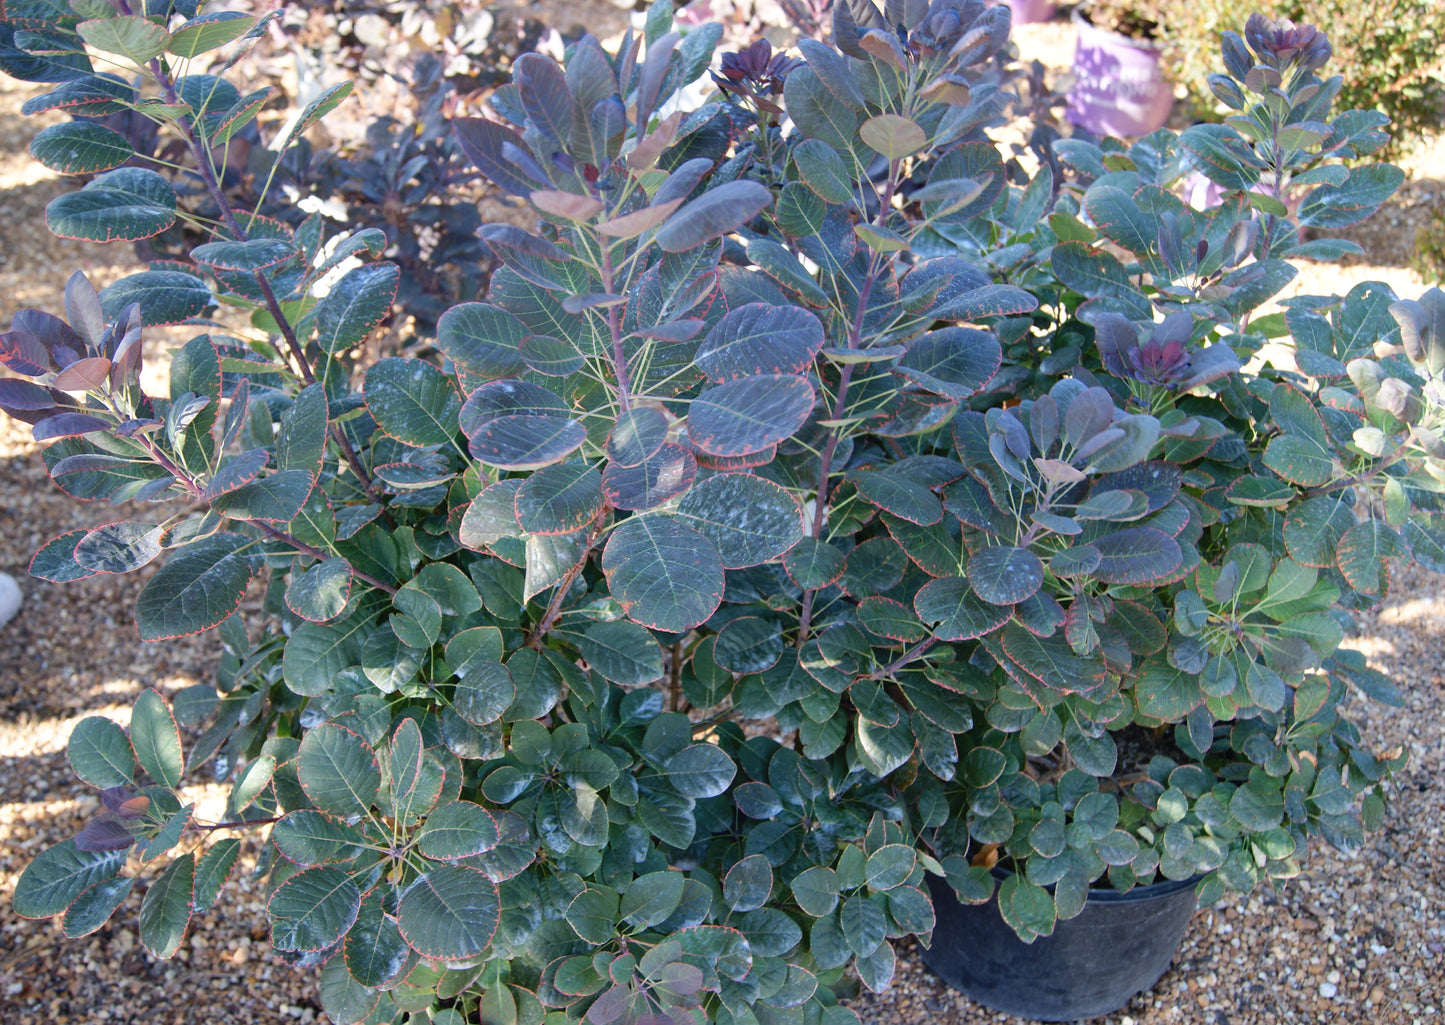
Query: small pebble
{"points": [[1328, 990]]}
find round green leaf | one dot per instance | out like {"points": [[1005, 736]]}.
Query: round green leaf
{"points": [[119, 547], [759, 338], [750, 520], [1135, 555], [309, 837], [346, 1001], [338, 770], [700, 770], [888, 618], [890, 866], [637, 436], [1004, 575], [156, 739], [58, 875], [823, 171], [864, 924], [1299, 460], [1053, 661], [166, 909], [240, 114], [665, 574], [100, 753], [559, 499], [316, 652], [213, 870], [952, 361], [88, 96], [253, 780], [715, 213], [356, 305], [412, 401], [1314, 527], [748, 644], [622, 652], [651, 898], [375, 951], [450, 913], [749, 414], [748, 884], [313, 909], [816, 891], [593, 915], [515, 425], [198, 588], [1257, 809], [277, 497], [1167, 694], [899, 495], [250, 256], [132, 36], [892, 135], [93, 908], [321, 593], [458, 829], [164, 296], [127, 204], [485, 691], [209, 31], [55, 560], [80, 147], [813, 563], [655, 481], [1026, 907], [483, 340], [959, 613]]}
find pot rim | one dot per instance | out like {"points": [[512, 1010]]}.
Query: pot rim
{"points": [[1082, 23], [1107, 894]]}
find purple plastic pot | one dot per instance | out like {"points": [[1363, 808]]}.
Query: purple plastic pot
{"points": [[1119, 87], [1028, 12]]}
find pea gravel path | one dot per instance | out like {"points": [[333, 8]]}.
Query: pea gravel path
{"points": [[1354, 940]]}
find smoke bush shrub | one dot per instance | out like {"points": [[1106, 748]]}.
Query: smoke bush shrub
{"points": [[793, 409]]}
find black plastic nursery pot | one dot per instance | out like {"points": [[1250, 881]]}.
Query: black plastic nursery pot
{"points": [[1090, 965]]}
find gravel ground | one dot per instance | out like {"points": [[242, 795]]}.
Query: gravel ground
{"points": [[1354, 940]]}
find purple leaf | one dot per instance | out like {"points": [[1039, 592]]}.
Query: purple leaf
{"points": [[68, 425], [23, 353]]}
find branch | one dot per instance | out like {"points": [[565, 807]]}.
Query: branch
{"points": [[234, 824], [305, 549], [903, 660], [273, 306], [554, 608], [1359, 478], [614, 327], [845, 378]]}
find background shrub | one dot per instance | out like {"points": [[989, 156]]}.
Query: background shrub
{"points": [[1388, 51]]}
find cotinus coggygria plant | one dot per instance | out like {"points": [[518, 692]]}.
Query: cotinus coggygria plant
{"points": [[802, 409]]}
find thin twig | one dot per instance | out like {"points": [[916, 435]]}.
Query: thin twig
{"points": [[845, 378], [554, 607], [902, 660], [234, 824], [273, 305], [305, 549]]}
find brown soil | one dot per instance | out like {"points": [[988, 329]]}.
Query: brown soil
{"points": [[1353, 940]]}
